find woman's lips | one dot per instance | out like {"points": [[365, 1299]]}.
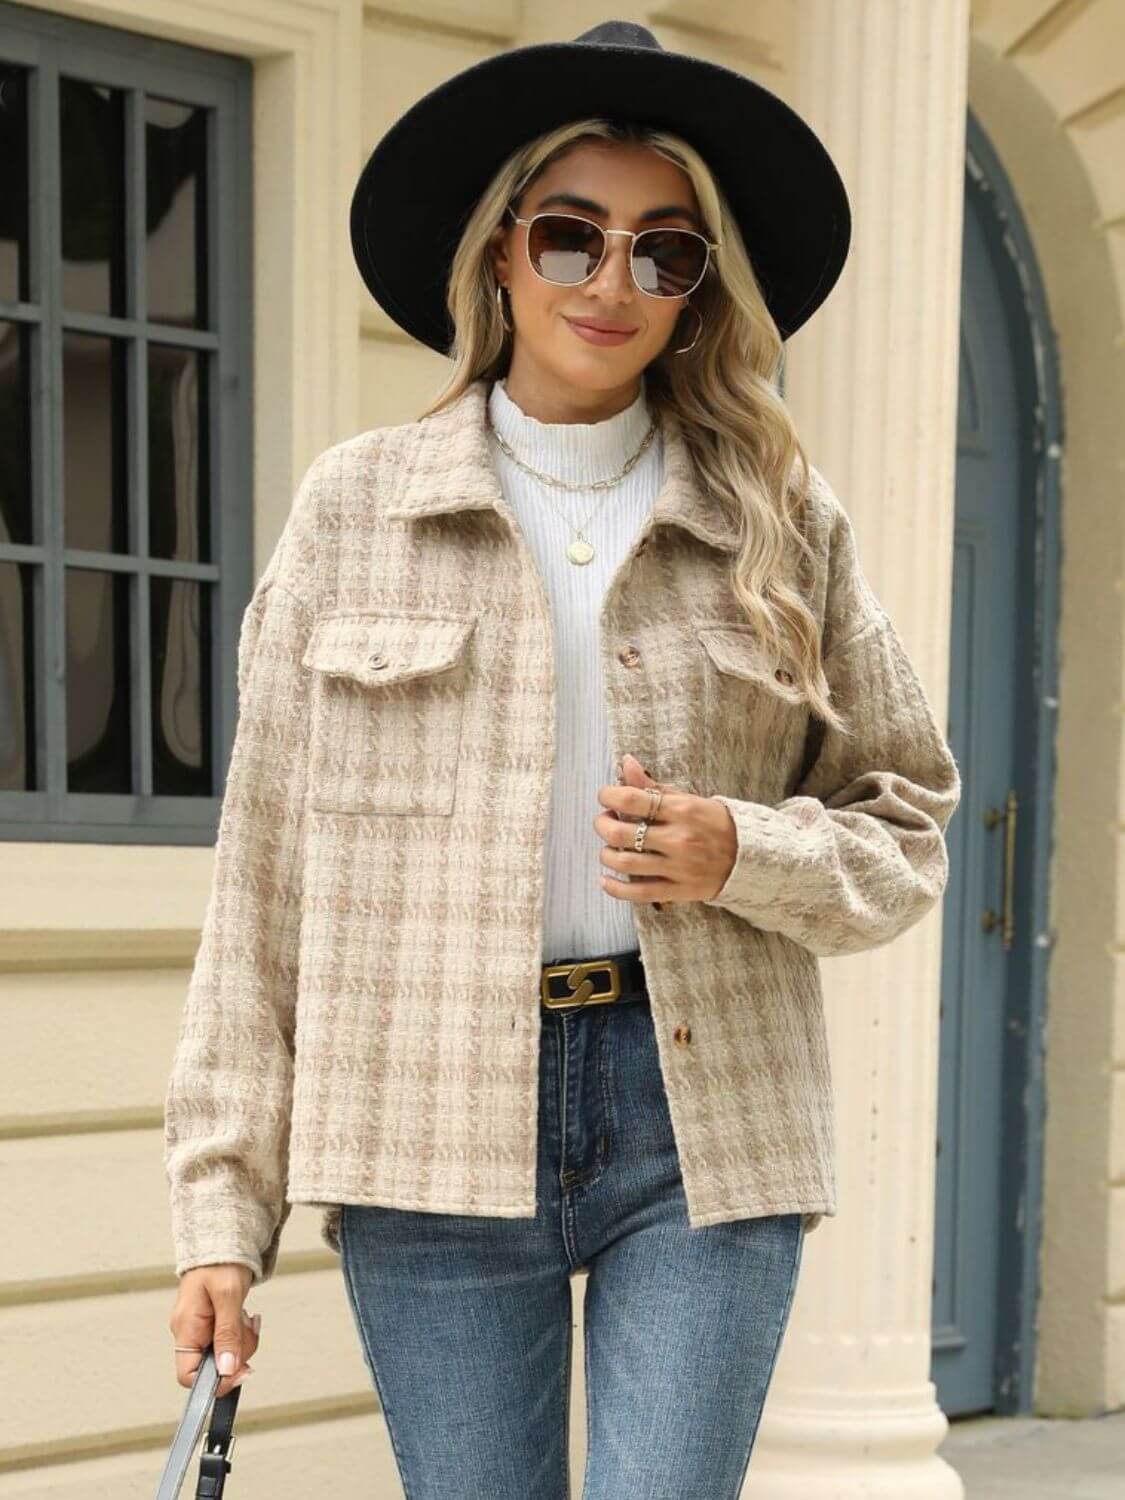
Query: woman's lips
{"points": [[600, 336]]}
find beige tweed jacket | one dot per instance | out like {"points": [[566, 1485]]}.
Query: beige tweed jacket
{"points": [[362, 1021]]}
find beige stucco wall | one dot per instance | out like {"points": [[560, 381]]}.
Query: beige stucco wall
{"points": [[97, 941]]}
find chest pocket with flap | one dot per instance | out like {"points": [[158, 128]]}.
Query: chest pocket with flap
{"points": [[387, 710], [756, 715]]}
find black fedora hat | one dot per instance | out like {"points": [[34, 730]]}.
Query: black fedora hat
{"points": [[424, 177]]}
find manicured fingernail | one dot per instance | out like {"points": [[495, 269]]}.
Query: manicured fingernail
{"points": [[226, 1363]]}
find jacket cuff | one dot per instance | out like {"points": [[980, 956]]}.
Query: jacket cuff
{"points": [[210, 1228], [763, 861]]}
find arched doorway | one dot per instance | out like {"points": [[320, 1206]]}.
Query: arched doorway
{"points": [[1002, 730]]}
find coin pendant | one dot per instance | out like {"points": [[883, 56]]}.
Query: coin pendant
{"points": [[580, 552]]}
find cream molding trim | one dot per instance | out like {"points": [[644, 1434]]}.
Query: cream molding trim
{"points": [[50, 950]]}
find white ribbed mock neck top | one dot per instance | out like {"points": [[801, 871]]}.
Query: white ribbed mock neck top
{"points": [[581, 919]]}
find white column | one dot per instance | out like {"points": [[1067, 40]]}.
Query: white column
{"points": [[872, 383]]}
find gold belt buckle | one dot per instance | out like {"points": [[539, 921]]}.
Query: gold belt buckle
{"points": [[581, 986]]}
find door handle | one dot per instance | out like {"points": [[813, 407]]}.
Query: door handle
{"points": [[992, 919]]}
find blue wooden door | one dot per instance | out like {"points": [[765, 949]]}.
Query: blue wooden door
{"points": [[995, 521]]}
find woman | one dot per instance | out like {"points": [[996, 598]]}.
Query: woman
{"points": [[571, 735]]}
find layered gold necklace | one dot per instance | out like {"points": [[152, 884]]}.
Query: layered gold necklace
{"points": [[580, 549]]}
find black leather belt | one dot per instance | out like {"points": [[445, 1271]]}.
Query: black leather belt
{"points": [[614, 978]]}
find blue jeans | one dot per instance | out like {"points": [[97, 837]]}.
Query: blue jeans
{"points": [[465, 1321]]}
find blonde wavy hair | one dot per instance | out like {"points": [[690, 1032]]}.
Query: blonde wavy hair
{"points": [[734, 423]]}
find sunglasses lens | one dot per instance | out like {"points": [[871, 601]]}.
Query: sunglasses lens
{"points": [[564, 249], [668, 262]]}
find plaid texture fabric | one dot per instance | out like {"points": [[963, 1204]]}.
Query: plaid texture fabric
{"points": [[362, 1020]]}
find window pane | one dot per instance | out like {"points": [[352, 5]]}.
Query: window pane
{"points": [[17, 681], [13, 185], [94, 460], [181, 688], [176, 186], [15, 433], [98, 684], [93, 196], [178, 453]]}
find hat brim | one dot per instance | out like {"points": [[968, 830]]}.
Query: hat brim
{"points": [[423, 178]]}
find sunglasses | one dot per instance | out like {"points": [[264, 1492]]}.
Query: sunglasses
{"points": [[566, 250]]}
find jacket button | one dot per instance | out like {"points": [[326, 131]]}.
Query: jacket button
{"points": [[682, 1035], [376, 659], [629, 655], [783, 676]]}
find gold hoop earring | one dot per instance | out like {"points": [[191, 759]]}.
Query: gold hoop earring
{"points": [[500, 306], [698, 331]]}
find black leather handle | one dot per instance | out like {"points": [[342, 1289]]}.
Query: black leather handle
{"points": [[214, 1462]]}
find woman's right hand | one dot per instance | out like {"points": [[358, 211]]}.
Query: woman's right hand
{"points": [[209, 1310]]}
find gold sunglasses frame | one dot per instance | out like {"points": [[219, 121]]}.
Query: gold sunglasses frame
{"points": [[633, 235]]}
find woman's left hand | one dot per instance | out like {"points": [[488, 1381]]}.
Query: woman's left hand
{"points": [[689, 851]]}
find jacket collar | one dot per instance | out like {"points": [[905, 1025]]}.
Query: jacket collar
{"points": [[451, 469]]}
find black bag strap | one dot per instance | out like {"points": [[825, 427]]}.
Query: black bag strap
{"points": [[214, 1461]]}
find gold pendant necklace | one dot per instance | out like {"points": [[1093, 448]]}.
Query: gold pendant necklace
{"points": [[581, 549]]}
